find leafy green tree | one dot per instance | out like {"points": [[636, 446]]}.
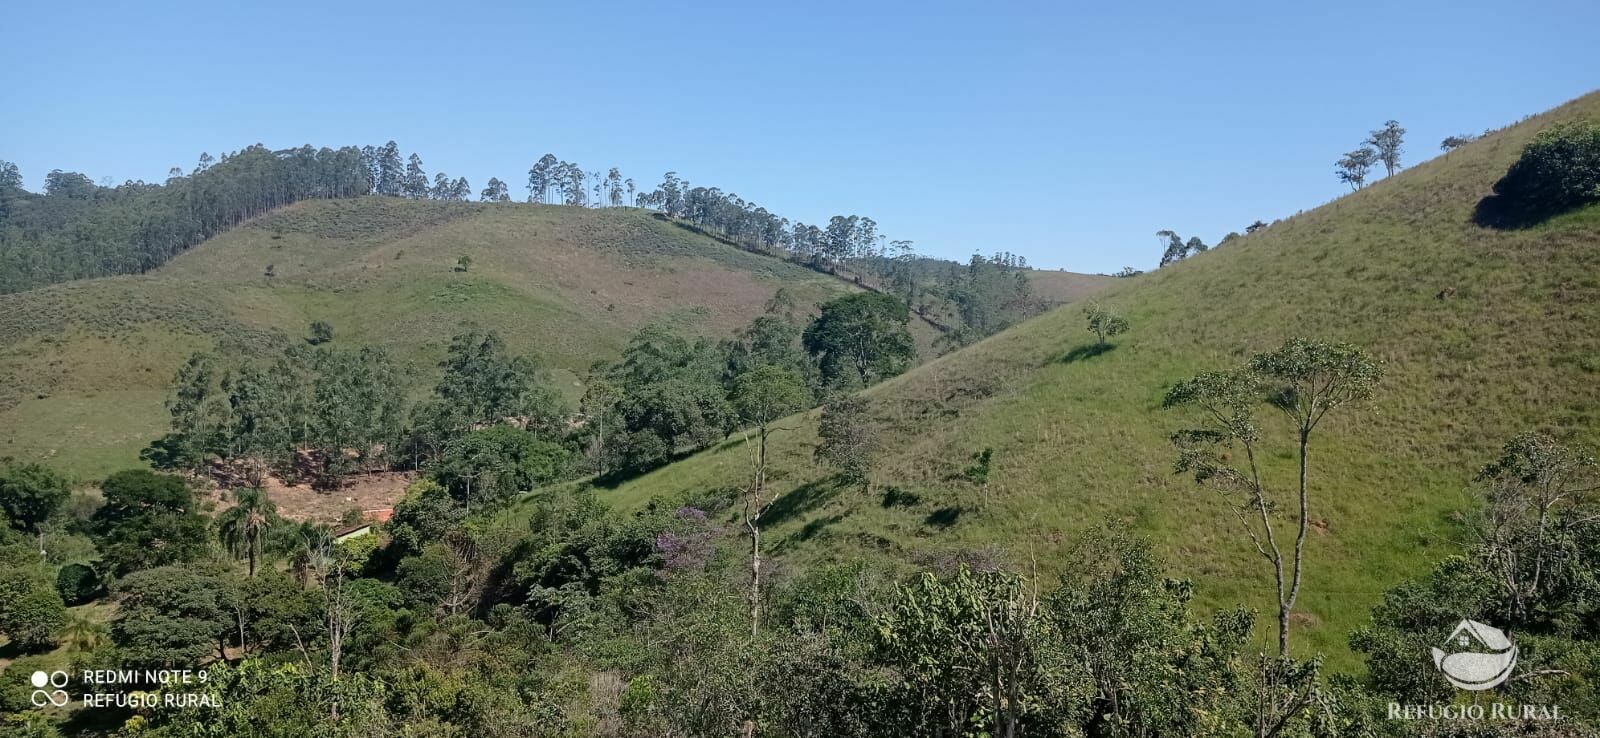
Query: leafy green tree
{"points": [[357, 406], [243, 527], [1154, 670], [79, 230], [1557, 171], [1305, 380], [275, 613], [769, 340], [763, 396], [30, 494], [423, 516], [484, 384], [1104, 323], [602, 419], [860, 337], [321, 332], [1352, 169], [199, 414], [172, 616], [31, 611], [148, 520], [672, 395], [1386, 143], [975, 655], [78, 583], [847, 442], [492, 465]]}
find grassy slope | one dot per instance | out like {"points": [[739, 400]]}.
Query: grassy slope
{"points": [[85, 364], [1076, 442]]}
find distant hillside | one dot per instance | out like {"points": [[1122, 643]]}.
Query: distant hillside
{"points": [[86, 364], [1485, 333]]}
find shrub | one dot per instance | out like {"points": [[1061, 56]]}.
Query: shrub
{"points": [[1558, 171], [77, 584]]}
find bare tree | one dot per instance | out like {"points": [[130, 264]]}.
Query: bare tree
{"points": [[1538, 498]]}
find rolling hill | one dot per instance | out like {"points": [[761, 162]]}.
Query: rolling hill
{"points": [[1484, 332], [86, 364]]}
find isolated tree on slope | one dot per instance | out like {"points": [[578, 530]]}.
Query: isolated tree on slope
{"points": [[1176, 249], [847, 441], [1305, 380], [1386, 141], [762, 396], [1353, 168], [1103, 323]]}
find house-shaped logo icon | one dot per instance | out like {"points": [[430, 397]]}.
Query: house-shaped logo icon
{"points": [[1480, 657]]}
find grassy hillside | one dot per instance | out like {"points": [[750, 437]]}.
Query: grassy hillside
{"points": [[1484, 333], [85, 365]]}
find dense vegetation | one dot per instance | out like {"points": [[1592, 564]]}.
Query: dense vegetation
{"points": [[77, 229]]}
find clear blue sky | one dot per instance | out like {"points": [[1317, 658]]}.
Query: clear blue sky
{"points": [[1067, 132]]}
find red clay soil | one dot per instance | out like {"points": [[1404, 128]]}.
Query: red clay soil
{"points": [[299, 502]]}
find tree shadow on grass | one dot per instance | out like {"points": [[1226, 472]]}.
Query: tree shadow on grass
{"points": [[815, 527], [1087, 351], [1507, 213], [944, 517], [616, 477], [799, 501]]}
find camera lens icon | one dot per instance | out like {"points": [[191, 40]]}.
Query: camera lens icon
{"points": [[42, 697]]}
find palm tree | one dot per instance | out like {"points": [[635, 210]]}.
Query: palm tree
{"points": [[243, 527], [83, 633]]}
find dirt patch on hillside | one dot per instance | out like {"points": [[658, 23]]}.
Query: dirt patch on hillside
{"points": [[300, 502]]}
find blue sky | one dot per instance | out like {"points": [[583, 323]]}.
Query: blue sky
{"points": [[1065, 132]]}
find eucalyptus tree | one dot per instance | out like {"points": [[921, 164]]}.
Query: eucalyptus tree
{"points": [[1305, 380], [495, 192], [1175, 250], [614, 187], [541, 177], [416, 179], [390, 177]]}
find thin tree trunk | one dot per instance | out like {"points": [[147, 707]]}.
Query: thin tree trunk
{"points": [[1299, 548]]}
